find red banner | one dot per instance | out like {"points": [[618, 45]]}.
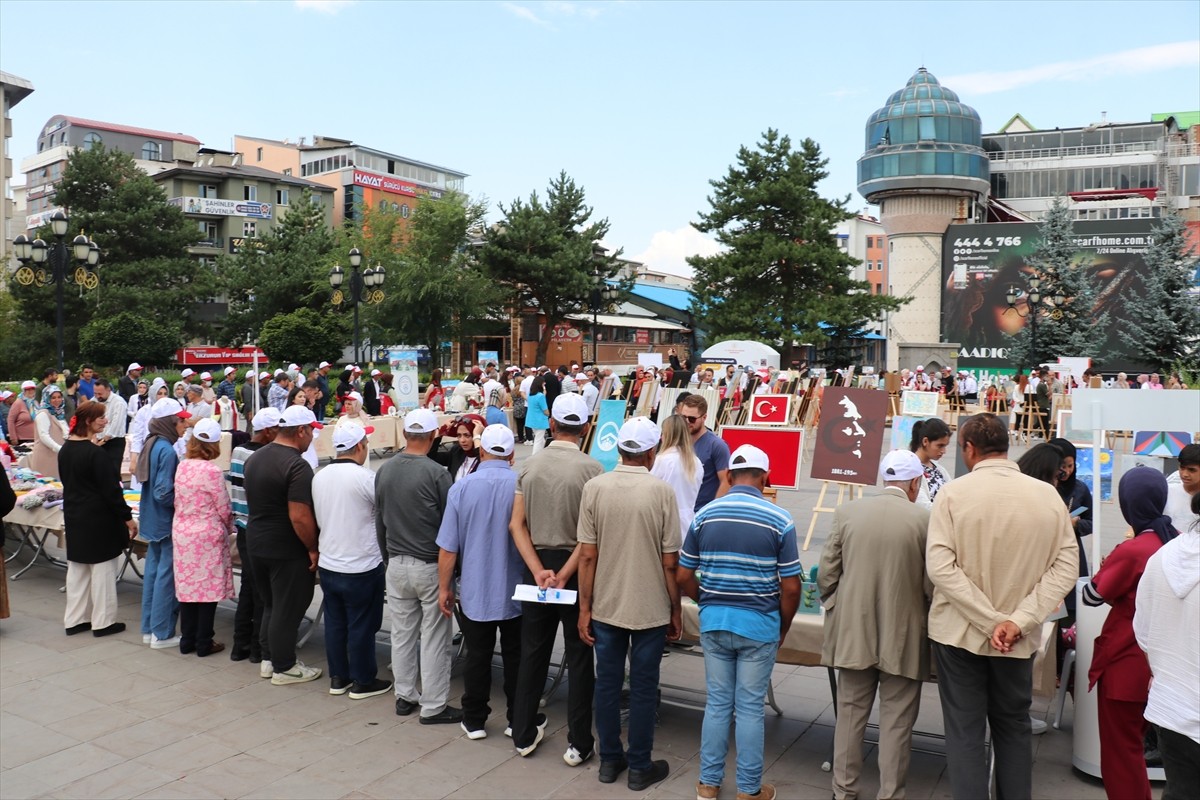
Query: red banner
{"points": [[202, 356], [784, 448], [769, 409]]}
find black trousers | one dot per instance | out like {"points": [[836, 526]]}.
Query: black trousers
{"points": [[287, 591], [480, 640], [115, 450], [1181, 762], [977, 691], [539, 628], [196, 627], [247, 621]]}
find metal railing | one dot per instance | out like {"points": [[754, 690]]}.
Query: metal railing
{"points": [[1083, 150]]}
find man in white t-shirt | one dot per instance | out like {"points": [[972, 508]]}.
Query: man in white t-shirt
{"points": [[350, 566], [1181, 486], [590, 391]]}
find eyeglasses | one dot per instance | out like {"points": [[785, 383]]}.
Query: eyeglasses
{"points": [[691, 419]]}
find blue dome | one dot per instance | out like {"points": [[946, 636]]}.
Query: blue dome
{"points": [[924, 132]]}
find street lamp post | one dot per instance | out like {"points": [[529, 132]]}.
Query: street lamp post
{"points": [[601, 296], [36, 254], [1034, 303], [363, 288]]}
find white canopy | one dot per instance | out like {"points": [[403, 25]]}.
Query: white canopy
{"points": [[745, 352]]}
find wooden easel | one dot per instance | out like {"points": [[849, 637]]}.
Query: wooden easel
{"points": [[820, 508]]}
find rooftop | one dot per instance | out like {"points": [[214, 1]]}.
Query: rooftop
{"points": [[240, 171], [149, 133], [15, 87]]}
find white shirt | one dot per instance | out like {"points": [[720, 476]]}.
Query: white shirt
{"points": [[590, 395], [526, 383], [493, 385], [1179, 504], [42, 423], [118, 416], [344, 504], [668, 467], [139, 429]]}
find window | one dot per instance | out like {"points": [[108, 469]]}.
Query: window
{"points": [[208, 191], [281, 197], [404, 211], [152, 151], [208, 230], [317, 200], [250, 192], [249, 229], [259, 154], [287, 170], [91, 140]]}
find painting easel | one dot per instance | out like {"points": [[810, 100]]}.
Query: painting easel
{"points": [[845, 491]]}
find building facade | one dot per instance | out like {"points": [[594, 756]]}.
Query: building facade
{"points": [[12, 91]]}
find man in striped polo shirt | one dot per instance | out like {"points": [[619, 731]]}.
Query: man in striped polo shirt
{"points": [[744, 548]]}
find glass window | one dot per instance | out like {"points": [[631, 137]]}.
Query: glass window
{"points": [[945, 164], [91, 140], [151, 151], [250, 192], [908, 130], [249, 229], [208, 191], [260, 151], [281, 197]]}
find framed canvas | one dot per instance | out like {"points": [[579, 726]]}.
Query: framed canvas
{"points": [[1076, 436], [850, 436], [783, 446], [770, 409], [1160, 443], [919, 404]]}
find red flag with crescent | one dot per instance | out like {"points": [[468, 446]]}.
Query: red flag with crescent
{"points": [[769, 409]]}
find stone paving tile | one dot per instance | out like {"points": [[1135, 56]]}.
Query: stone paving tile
{"points": [[38, 701], [65, 766], [121, 780], [235, 776], [189, 755], [96, 723], [179, 790], [22, 741], [144, 737]]}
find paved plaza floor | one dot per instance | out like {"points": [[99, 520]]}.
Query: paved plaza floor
{"points": [[88, 717]]}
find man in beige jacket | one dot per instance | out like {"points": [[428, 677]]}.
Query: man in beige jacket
{"points": [[872, 582], [1001, 555]]}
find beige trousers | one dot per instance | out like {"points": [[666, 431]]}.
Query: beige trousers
{"points": [[92, 593], [899, 702]]}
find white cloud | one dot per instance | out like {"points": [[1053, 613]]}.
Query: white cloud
{"points": [[525, 13], [559, 9], [324, 6], [668, 250], [1139, 61]]}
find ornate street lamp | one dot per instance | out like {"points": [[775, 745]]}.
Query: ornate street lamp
{"points": [[363, 288], [1035, 302]]}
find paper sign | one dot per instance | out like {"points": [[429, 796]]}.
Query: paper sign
{"points": [[650, 360], [532, 594]]}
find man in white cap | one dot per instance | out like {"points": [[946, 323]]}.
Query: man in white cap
{"points": [[281, 534], [744, 549], [544, 526], [351, 566], [628, 597], [293, 371], [323, 381], [372, 392], [410, 496], [873, 584], [247, 621], [188, 375], [227, 387], [588, 390], [127, 385], [474, 536], [265, 379]]}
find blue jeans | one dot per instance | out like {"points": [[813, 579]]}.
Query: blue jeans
{"points": [[645, 649], [353, 615], [160, 609], [737, 673]]}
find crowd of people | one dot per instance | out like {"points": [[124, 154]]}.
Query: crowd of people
{"points": [[926, 573]]}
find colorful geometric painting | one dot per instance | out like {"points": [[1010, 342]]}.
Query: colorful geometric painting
{"points": [[1160, 443]]}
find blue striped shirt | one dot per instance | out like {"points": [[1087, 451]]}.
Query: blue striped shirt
{"points": [[741, 545], [237, 471]]}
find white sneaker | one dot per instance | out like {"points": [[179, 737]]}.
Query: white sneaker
{"points": [[508, 731], [147, 638], [164, 644], [574, 758], [299, 673], [525, 752], [1039, 725], [473, 734], [265, 670]]}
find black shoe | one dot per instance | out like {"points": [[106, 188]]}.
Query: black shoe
{"points": [[447, 715], [239, 653], [116, 627], [187, 647], [80, 628], [640, 779], [361, 691], [404, 708], [611, 770], [338, 686], [255, 658]]}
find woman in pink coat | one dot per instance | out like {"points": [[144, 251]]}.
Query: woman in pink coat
{"points": [[201, 529]]}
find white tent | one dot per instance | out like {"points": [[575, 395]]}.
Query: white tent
{"points": [[754, 354]]}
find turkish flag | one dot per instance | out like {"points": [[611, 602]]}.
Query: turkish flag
{"points": [[769, 409]]}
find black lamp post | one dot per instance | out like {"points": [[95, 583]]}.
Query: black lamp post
{"points": [[363, 288], [36, 254], [1034, 303], [600, 297]]}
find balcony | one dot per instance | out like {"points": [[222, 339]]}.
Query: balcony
{"points": [[209, 243]]}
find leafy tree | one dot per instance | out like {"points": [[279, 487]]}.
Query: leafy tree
{"points": [[1163, 323], [127, 337], [1072, 327], [286, 269], [542, 253], [781, 273], [26, 345], [303, 336]]}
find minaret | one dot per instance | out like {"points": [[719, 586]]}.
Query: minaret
{"points": [[925, 167]]}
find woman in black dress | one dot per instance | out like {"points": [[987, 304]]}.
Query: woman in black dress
{"points": [[98, 525]]}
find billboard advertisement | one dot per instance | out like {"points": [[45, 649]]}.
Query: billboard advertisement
{"points": [[981, 263]]}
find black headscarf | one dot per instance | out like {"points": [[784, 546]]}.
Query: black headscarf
{"points": [[1143, 496], [1067, 487]]}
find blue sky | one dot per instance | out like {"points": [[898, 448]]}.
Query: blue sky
{"points": [[641, 102]]}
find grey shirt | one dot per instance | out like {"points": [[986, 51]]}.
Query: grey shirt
{"points": [[552, 485], [410, 498]]}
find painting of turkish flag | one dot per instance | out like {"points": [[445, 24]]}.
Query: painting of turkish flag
{"points": [[783, 446], [849, 439], [770, 409]]}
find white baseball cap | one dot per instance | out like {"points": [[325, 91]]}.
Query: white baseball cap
{"points": [[637, 435], [570, 409], [265, 418], [279, 372], [187, 372], [900, 465], [354, 396], [293, 368], [230, 370], [579, 376], [749, 457], [250, 373], [298, 417], [28, 385], [206, 376], [347, 436], [420, 420], [262, 376], [497, 440], [920, 367], [355, 368], [323, 365], [375, 372], [133, 366], [207, 430], [168, 407]]}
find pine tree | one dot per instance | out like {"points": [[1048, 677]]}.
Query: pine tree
{"points": [[781, 273], [1163, 323]]}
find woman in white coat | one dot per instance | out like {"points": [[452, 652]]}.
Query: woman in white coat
{"points": [[50, 424], [930, 438]]}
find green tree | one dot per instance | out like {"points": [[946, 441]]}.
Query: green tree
{"points": [[435, 290], [1162, 326], [781, 273], [125, 337], [543, 254], [303, 336], [1070, 326], [284, 270]]}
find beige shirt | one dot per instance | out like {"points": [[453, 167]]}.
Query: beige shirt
{"points": [[632, 519], [1000, 547], [552, 484]]}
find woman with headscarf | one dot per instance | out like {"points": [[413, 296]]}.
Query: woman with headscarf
{"points": [[344, 388], [51, 427], [142, 398], [462, 457], [20, 417], [468, 394], [139, 428], [156, 470], [1120, 672]]}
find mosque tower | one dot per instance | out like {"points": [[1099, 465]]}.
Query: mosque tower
{"points": [[925, 167]]}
